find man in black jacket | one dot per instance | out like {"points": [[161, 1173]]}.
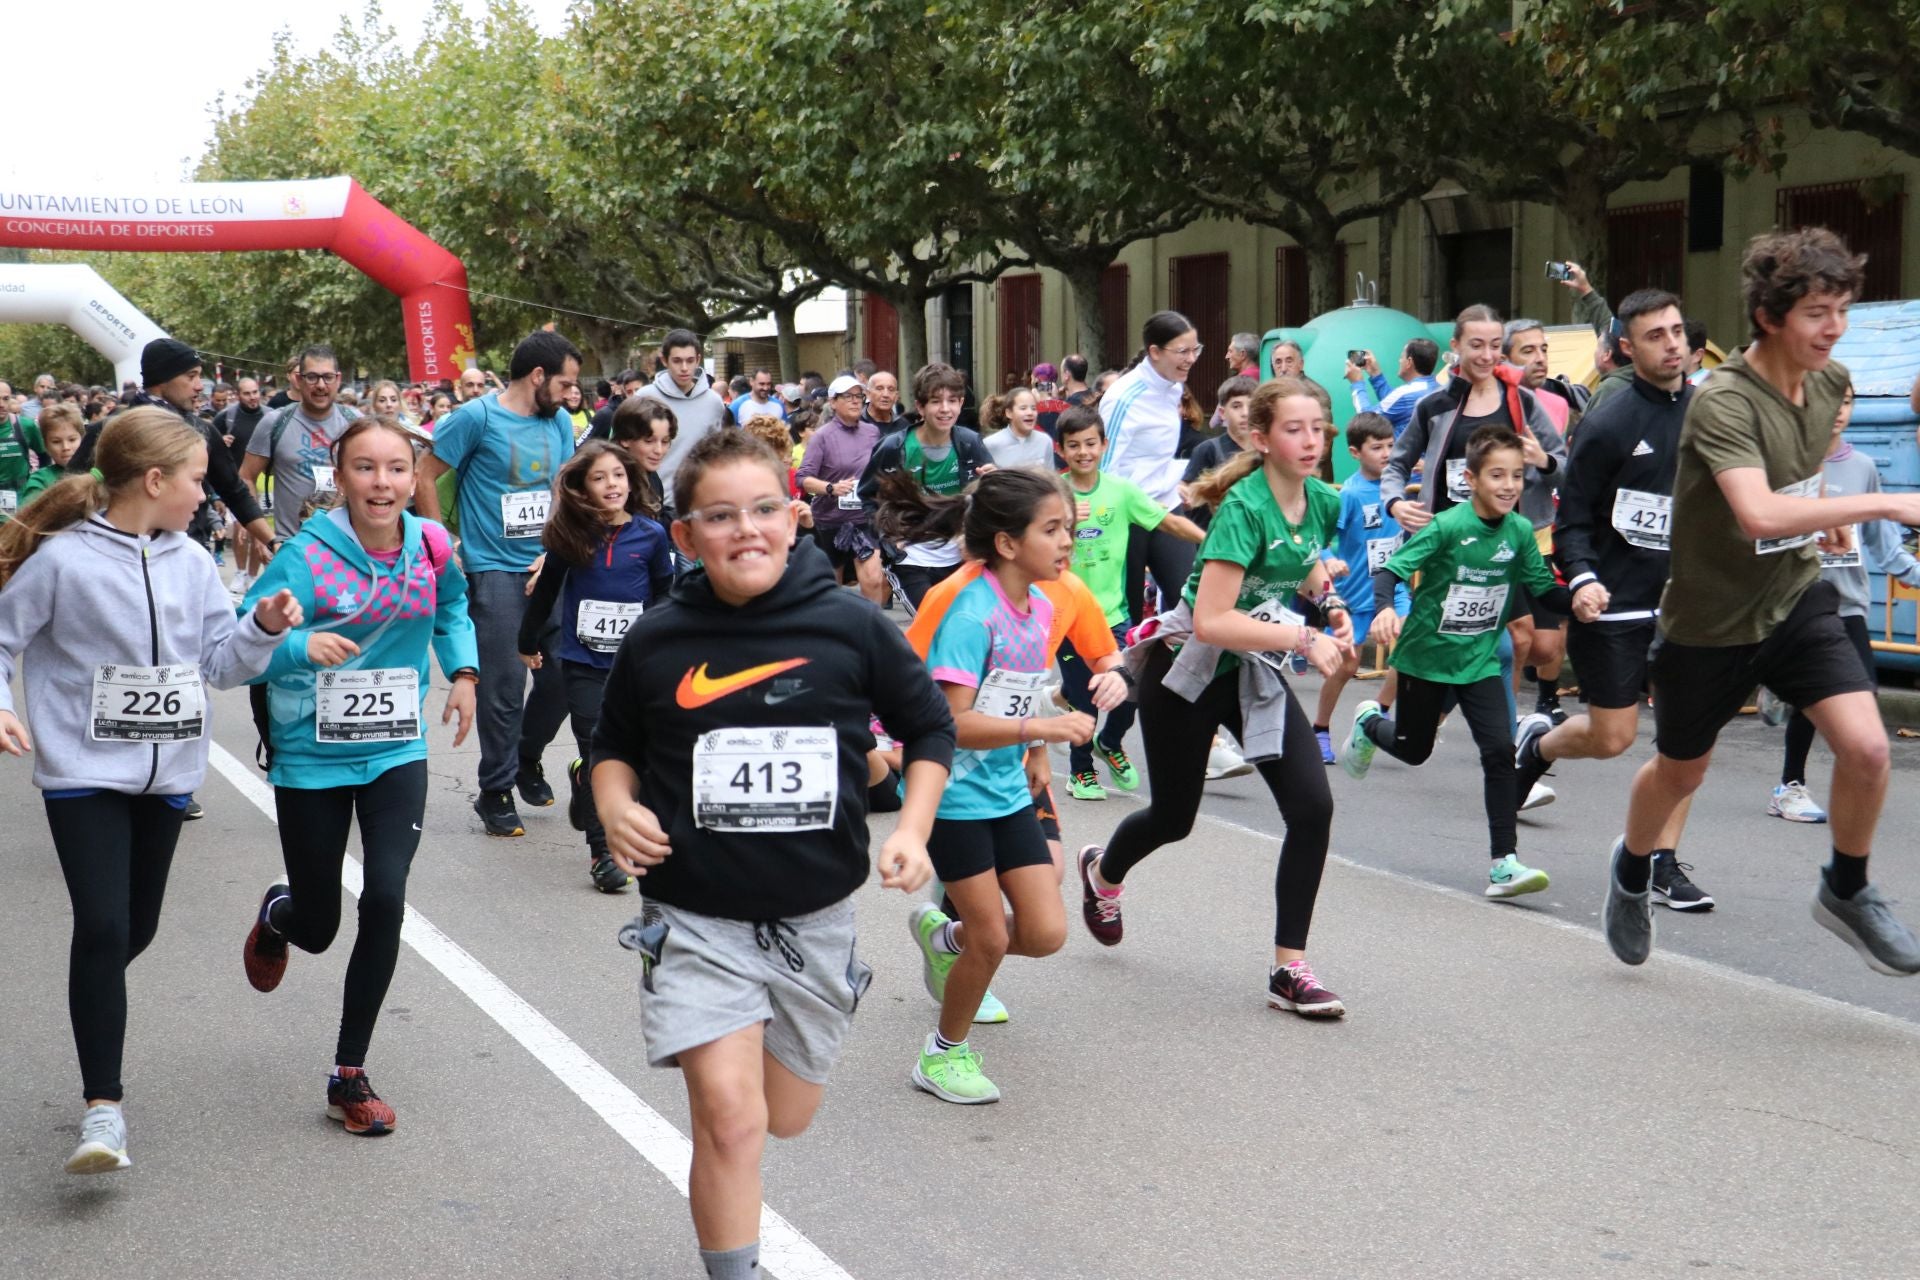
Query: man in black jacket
{"points": [[170, 375], [1610, 534]]}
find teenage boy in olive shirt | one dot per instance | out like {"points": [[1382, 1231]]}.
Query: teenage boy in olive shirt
{"points": [[1744, 603]]}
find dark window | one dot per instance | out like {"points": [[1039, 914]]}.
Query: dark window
{"points": [[1646, 249], [1866, 215], [1197, 286], [1019, 327], [957, 303], [1114, 316], [880, 324], [1478, 267]]}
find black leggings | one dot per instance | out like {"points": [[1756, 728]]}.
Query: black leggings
{"points": [[586, 689], [115, 851], [1177, 735], [1800, 729], [1168, 558], [1409, 736], [313, 841], [918, 579]]}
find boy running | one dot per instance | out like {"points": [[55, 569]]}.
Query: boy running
{"points": [[1109, 507], [730, 770], [1745, 605], [1471, 558]]}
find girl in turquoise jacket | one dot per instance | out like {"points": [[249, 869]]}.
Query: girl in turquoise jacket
{"points": [[380, 588]]}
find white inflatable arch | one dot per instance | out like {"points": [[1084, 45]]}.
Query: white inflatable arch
{"points": [[74, 295]]}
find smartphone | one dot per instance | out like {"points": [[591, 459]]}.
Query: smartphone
{"points": [[1559, 271], [1359, 359]]}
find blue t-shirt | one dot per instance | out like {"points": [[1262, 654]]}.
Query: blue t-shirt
{"points": [[629, 568], [982, 633], [1365, 525], [497, 452], [744, 410]]}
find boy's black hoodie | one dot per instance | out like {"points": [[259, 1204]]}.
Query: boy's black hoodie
{"points": [[672, 682]]}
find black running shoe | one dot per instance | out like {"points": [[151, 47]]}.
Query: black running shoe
{"points": [[579, 795], [1672, 887], [1528, 764], [608, 878], [497, 812], [1548, 705], [193, 811], [531, 782]]}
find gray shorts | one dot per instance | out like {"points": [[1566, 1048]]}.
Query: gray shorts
{"points": [[704, 977]]}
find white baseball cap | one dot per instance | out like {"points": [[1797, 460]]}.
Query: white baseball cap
{"points": [[844, 383]]}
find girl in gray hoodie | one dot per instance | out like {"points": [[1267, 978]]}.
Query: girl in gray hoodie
{"points": [[123, 623]]}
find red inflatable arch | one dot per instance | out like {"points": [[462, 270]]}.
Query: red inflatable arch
{"points": [[220, 217]]}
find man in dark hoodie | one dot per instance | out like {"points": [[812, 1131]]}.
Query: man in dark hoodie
{"points": [[170, 374], [685, 387]]}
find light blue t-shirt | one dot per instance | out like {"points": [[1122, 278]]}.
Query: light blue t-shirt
{"points": [[746, 409], [981, 633], [1365, 525], [497, 452]]}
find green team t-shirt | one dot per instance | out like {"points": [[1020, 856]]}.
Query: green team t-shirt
{"points": [[1468, 569], [936, 475], [1251, 531], [1115, 505]]}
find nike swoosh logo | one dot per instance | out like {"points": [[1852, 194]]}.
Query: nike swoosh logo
{"points": [[697, 689], [416, 826], [774, 699]]}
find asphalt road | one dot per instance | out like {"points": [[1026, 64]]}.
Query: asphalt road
{"points": [[1503, 1100]]}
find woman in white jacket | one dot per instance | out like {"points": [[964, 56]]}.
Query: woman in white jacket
{"points": [[1141, 411], [123, 622]]}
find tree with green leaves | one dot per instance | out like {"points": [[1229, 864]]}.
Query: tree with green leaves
{"points": [[1307, 116], [848, 130]]}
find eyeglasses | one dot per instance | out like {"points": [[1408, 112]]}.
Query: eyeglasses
{"points": [[319, 379], [768, 513], [1185, 353]]}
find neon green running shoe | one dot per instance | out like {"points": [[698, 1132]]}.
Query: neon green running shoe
{"points": [[991, 1012], [1125, 776], [954, 1076], [935, 964], [1356, 753], [1086, 786], [1509, 878]]}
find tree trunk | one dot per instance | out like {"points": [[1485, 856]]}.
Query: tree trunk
{"points": [[1583, 201], [913, 330], [1322, 247], [787, 335], [1388, 224], [1090, 321]]}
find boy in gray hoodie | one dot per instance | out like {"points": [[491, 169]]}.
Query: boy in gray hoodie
{"points": [[685, 387], [116, 678]]}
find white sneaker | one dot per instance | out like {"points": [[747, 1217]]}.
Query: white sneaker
{"points": [[1541, 796], [103, 1142], [1224, 762], [1791, 801]]}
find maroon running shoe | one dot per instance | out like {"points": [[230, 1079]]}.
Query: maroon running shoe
{"points": [[352, 1101], [1294, 988], [1101, 911], [265, 954]]}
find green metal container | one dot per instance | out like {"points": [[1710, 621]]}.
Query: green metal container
{"points": [[1326, 341]]}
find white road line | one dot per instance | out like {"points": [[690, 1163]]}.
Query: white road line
{"points": [[1711, 968], [783, 1250]]}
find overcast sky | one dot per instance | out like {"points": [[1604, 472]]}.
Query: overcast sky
{"points": [[122, 88]]}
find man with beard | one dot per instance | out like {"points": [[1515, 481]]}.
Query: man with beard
{"points": [[506, 447], [295, 442]]}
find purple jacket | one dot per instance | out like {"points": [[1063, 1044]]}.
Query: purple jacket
{"points": [[836, 452]]}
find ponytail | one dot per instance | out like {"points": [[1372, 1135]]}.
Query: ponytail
{"points": [[64, 505], [999, 502], [132, 443], [908, 513]]}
